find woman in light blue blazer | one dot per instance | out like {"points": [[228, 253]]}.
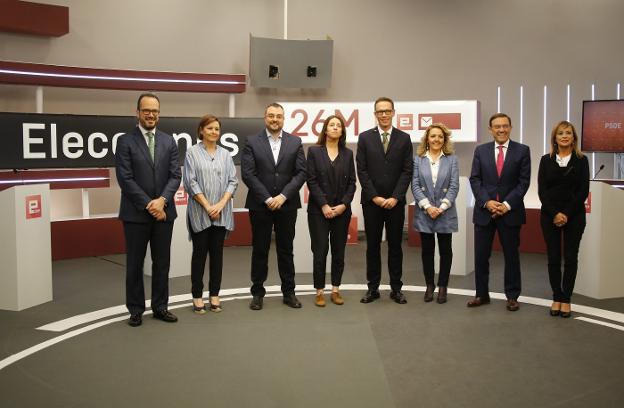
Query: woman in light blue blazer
{"points": [[435, 184]]}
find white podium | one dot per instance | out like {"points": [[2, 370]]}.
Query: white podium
{"points": [[181, 248], [302, 250], [463, 239], [600, 272], [26, 273]]}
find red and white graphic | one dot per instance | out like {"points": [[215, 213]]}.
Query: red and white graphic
{"points": [[588, 204], [180, 197], [405, 121], [352, 235], [33, 206], [305, 119], [450, 120]]}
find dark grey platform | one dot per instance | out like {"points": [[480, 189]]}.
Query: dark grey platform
{"points": [[376, 355]]}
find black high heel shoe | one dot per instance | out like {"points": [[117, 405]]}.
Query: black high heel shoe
{"points": [[567, 314], [199, 309], [555, 312]]}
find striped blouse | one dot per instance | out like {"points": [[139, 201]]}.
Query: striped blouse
{"points": [[212, 176]]}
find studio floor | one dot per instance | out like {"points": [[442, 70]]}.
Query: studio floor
{"points": [[78, 351]]}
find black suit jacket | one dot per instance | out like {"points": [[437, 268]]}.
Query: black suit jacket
{"points": [[511, 186], [265, 178], [563, 189], [319, 166], [142, 180], [384, 174]]}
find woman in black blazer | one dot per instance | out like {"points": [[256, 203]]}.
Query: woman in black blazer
{"points": [[331, 181], [563, 186]]}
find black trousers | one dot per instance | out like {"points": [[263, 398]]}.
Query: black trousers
{"points": [[262, 225], [375, 218], [571, 233], [208, 241], [509, 237], [446, 257], [324, 232], [138, 235]]}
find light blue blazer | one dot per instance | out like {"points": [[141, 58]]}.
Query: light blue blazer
{"points": [[447, 186]]}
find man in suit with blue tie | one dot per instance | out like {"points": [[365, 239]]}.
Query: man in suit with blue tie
{"points": [[384, 168], [500, 177], [148, 172], [273, 166]]}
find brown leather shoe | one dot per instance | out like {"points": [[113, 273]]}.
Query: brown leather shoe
{"points": [[428, 297], [512, 305], [319, 300], [336, 298], [478, 301], [441, 295]]}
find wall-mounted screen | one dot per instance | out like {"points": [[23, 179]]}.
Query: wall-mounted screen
{"points": [[603, 126]]}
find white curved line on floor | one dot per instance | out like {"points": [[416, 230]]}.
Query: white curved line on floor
{"points": [[600, 322], [272, 291], [78, 320]]}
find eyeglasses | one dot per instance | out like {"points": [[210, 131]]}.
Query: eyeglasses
{"points": [[504, 127], [272, 116], [386, 112], [146, 112]]}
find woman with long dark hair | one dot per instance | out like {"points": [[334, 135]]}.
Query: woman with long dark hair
{"points": [[331, 181]]}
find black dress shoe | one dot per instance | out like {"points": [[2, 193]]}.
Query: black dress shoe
{"points": [[441, 295], [478, 301], [135, 319], [370, 296], [256, 303], [428, 297], [165, 316], [398, 297], [292, 301]]}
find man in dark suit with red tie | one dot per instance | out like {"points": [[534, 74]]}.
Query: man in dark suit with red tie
{"points": [[384, 168], [500, 177], [148, 172], [273, 166]]}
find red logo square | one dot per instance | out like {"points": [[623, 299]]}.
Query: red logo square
{"points": [[33, 206], [405, 121], [180, 197]]}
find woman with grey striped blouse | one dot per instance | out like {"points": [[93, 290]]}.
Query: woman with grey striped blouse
{"points": [[210, 179]]}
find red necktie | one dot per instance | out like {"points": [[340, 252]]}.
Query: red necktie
{"points": [[500, 159]]}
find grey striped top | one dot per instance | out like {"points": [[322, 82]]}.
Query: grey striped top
{"points": [[212, 176]]}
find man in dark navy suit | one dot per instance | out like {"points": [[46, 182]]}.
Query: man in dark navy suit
{"points": [[384, 168], [500, 176], [148, 172], [273, 166]]}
